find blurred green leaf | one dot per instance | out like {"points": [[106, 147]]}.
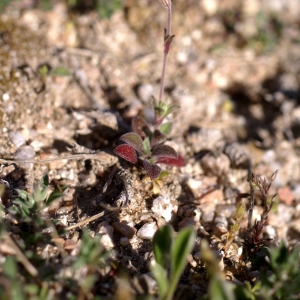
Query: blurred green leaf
{"points": [[183, 245], [162, 244], [10, 268], [160, 275], [166, 128], [220, 289], [61, 71], [146, 146], [55, 195], [106, 8]]}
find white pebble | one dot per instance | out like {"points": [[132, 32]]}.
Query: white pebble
{"points": [[5, 97], [147, 231], [25, 153], [17, 138]]}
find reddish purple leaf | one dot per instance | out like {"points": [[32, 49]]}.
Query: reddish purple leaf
{"points": [[140, 126], [152, 170], [133, 140], [176, 162], [126, 152], [164, 151], [158, 137]]}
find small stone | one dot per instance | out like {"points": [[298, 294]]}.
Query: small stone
{"points": [[124, 229], [212, 197], [285, 215], [70, 245], [162, 207], [191, 261], [222, 220], [5, 97], [226, 210], [208, 212], [285, 194], [215, 165], [186, 222], [219, 229], [271, 232], [145, 92], [17, 138], [147, 231], [124, 241], [149, 283], [106, 233], [25, 153], [50, 153]]}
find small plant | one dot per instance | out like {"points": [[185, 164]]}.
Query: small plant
{"points": [[254, 232], [146, 140], [91, 259], [234, 228], [27, 207], [150, 144], [170, 256]]}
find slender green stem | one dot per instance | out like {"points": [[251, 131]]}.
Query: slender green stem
{"points": [[166, 51]]}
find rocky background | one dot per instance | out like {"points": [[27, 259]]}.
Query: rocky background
{"points": [[79, 73]]}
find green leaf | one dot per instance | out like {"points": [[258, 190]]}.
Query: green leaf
{"points": [[162, 244], [160, 275], [244, 292], [40, 189], [56, 195], [22, 194], [61, 71], [219, 289], [134, 140], [146, 146], [166, 128], [53, 196], [163, 174], [164, 109], [183, 245], [10, 268]]}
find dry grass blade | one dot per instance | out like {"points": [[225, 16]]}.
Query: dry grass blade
{"points": [[165, 3]]}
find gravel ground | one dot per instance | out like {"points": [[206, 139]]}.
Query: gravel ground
{"points": [[69, 78]]}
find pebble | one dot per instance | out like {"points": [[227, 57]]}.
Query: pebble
{"points": [[25, 153], [206, 138], [221, 226], [285, 214], [208, 212], [214, 196], [215, 165], [198, 186], [145, 92], [226, 210], [186, 222], [149, 282], [124, 241], [271, 232], [50, 153], [17, 138], [285, 194], [124, 229], [69, 245], [147, 231], [106, 233], [162, 207]]}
